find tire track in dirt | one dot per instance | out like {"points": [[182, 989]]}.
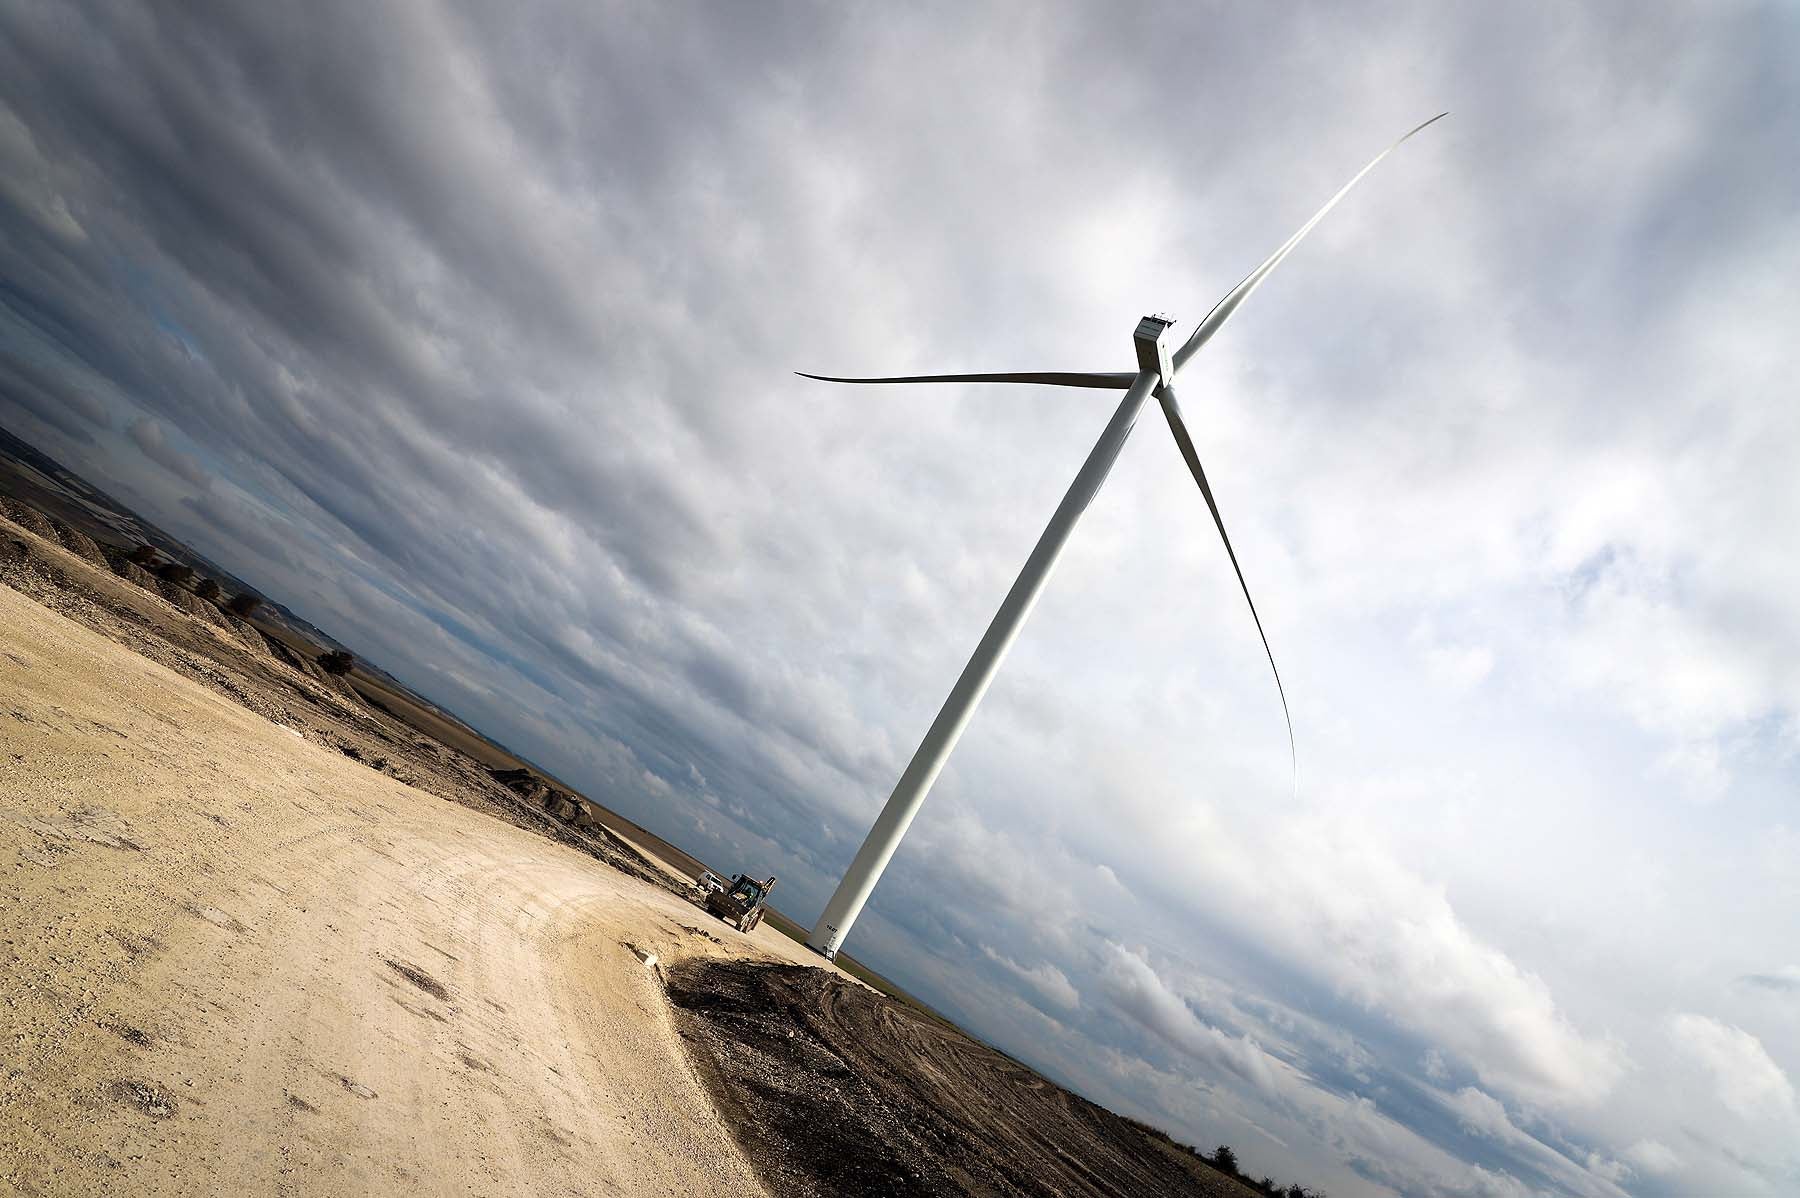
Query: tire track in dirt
{"points": [[195, 988], [835, 1089]]}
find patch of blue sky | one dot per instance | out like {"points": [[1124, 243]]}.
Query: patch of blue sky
{"points": [[158, 302]]}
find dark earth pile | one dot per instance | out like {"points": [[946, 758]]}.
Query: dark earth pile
{"points": [[78, 543], [27, 517], [834, 1090], [573, 811]]}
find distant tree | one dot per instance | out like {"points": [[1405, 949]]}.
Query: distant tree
{"points": [[209, 589], [143, 555], [177, 573], [337, 662], [244, 605], [1225, 1160]]}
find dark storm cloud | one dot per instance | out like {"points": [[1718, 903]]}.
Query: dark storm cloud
{"points": [[249, 148], [52, 397], [153, 443], [476, 321]]}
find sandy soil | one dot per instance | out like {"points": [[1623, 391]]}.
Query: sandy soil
{"points": [[235, 961], [48, 561]]}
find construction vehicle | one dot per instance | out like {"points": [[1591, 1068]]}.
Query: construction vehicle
{"points": [[742, 903]]}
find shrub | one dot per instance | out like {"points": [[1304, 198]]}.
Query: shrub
{"points": [[1225, 1160], [337, 662], [143, 555], [209, 589], [176, 573], [244, 605]]}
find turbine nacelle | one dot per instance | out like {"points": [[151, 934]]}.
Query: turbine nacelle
{"points": [[1154, 354]]}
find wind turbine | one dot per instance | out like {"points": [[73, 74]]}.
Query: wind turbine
{"points": [[1157, 367]]}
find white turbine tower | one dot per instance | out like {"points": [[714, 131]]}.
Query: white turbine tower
{"points": [[1157, 368]]}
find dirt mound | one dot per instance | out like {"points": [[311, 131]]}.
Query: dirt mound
{"points": [[562, 805], [835, 1089], [251, 638], [526, 785], [28, 518], [582, 823], [131, 572], [179, 596], [53, 530], [285, 654], [78, 543]]}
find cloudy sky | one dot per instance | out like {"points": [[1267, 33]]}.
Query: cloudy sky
{"points": [[468, 330]]}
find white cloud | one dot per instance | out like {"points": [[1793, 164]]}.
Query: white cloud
{"points": [[1455, 667], [1697, 769], [1482, 1114], [1137, 990], [1390, 940], [1748, 1082], [1459, 668], [1652, 1158], [1777, 855], [1046, 980]]}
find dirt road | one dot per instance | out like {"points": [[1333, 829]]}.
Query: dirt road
{"points": [[235, 962]]}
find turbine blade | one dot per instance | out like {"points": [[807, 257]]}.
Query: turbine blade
{"points": [[1053, 378], [1178, 426], [1221, 311]]}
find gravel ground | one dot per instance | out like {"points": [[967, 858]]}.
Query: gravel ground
{"points": [[236, 960], [174, 628], [834, 1089]]}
